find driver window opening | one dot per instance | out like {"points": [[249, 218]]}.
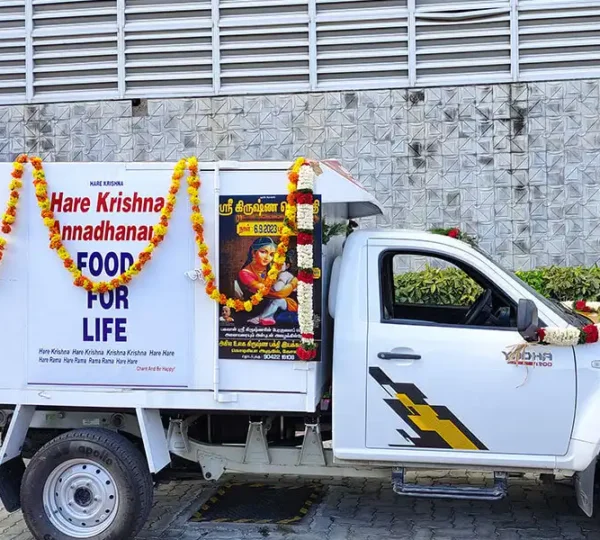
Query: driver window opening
{"points": [[421, 288]]}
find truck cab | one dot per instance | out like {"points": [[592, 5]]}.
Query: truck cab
{"points": [[433, 384]]}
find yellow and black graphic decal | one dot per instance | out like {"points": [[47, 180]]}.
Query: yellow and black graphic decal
{"points": [[435, 426]]}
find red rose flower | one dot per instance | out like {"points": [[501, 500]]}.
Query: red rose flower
{"points": [[541, 334], [304, 198], [591, 333], [302, 353], [581, 305], [305, 277], [453, 233], [306, 354], [305, 239]]}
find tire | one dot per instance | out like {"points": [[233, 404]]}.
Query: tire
{"points": [[87, 483]]}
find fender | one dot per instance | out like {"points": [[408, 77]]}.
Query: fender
{"points": [[586, 427], [585, 440]]}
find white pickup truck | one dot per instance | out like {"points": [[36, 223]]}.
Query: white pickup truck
{"points": [[414, 385]]}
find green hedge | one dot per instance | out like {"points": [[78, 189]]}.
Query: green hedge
{"points": [[449, 286], [435, 286]]}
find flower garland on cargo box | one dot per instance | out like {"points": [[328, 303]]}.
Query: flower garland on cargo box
{"points": [[10, 214], [305, 214], [298, 216], [198, 225], [79, 279]]}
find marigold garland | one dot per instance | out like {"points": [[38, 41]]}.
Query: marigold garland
{"points": [[299, 207], [79, 279], [279, 259], [10, 214]]}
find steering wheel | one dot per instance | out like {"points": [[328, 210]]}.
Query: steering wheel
{"points": [[480, 310]]}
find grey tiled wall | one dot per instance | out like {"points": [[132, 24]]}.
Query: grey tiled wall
{"points": [[517, 165]]}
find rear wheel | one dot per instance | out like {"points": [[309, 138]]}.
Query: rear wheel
{"points": [[89, 483]]}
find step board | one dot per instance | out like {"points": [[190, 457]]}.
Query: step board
{"points": [[445, 491]]}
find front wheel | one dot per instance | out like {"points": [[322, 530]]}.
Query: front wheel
{"points": [[88, 483]]}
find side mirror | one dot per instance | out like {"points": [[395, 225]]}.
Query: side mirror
{"points": [[527, 320]]}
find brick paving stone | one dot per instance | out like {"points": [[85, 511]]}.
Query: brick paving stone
{"points": [[369, 510]]}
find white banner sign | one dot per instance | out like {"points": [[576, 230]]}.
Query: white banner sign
{"points": [[139, 335]]}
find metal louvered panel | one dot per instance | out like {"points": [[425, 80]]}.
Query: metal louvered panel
{"points": [[75, 49], [361, 43], [559, 39], [466, 42], [69, 50], [168, 47], [264, 45], [12, 51]]}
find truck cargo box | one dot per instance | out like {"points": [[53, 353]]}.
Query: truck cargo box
{"points": [[160, 341]]}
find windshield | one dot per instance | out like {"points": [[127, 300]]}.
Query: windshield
{"points": [[572, 317]]}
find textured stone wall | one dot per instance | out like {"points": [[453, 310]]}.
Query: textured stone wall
{"points": [[517, 165]]}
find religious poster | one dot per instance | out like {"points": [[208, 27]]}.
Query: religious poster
{"points": [[250, 228]]}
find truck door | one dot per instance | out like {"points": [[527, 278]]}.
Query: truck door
{"points": [[437, 371]]}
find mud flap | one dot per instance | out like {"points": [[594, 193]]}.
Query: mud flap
{"points": [[584, 489], [11, 474]]}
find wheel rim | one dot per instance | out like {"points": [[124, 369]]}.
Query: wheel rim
{"points": [[81, 498]]}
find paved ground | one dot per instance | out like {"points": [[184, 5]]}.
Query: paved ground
{"points": [[369, 510]]}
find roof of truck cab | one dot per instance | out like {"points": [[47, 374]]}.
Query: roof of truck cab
{"points": [[363, 235]]}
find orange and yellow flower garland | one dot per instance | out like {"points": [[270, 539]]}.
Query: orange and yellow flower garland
{"points": [[197, 218], [79, 280], [10, 214], [160, 230]]}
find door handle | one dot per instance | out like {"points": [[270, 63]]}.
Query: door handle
{"points": [[398, 356]]}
